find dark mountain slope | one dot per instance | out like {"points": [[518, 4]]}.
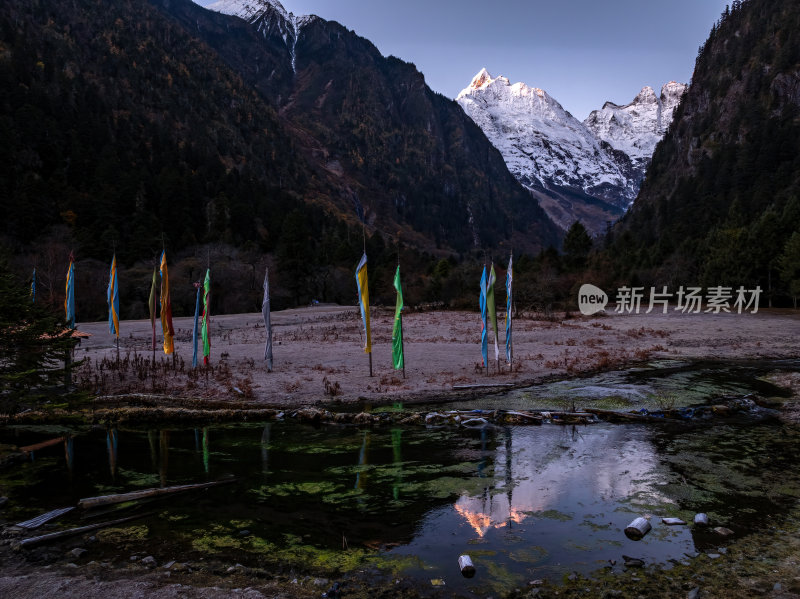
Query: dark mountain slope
{"points": [[402, 156], [120, 124], [722, 195]]}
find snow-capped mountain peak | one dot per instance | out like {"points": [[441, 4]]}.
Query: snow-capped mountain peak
{"points": [[482, 78], [646, 96], [247, 9], [544, 146], [269, 17], [637, 127], [551, 152]]}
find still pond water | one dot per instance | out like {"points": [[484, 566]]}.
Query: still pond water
{"points": [[524, 502]]}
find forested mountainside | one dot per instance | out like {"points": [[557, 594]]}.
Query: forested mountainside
{"points": [[123, 126], [720, 204], [126, 128], [401, 155]]}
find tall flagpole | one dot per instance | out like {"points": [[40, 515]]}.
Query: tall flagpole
{"points": [[364, 238], [402, 345], [510, 310]]}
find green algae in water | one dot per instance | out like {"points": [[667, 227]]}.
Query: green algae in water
{"points": [[128, 536], [533, 502], [528, 555]]}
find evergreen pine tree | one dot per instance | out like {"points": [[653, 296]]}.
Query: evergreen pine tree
{"points": [[34, 343], [577, 244], [789, 264]]}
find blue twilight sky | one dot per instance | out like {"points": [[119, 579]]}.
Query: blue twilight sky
{"points": [[581, 52]]}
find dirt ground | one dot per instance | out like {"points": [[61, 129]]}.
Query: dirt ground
{"points": [[318, 355]]}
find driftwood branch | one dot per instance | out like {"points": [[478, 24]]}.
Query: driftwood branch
{"points": [[39, 520], [54, 536], [92, 502]]}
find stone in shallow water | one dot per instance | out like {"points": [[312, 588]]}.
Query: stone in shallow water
{"points": [[721, 530]]}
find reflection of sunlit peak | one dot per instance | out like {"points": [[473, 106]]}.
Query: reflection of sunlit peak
{"points": [[517, 515], [479, 522]]}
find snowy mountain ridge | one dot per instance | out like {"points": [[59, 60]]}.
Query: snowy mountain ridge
{"points": [[268, 17], [589, 170], [636, 128]]}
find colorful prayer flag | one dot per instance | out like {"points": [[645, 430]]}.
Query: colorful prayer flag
{"points": [[492, 309], [151, 303], [397, 330], [267, 324], [509, 295], [113, 299], [166, 308], [482, 298], [363, 301], [69, 300], [206, 316]]}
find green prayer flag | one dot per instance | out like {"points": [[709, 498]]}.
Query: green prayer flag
{"points": [[397, 331]]}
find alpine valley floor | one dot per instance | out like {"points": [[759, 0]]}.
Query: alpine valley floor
{"points": [[319, 357]]}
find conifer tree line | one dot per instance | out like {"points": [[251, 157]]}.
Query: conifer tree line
{"points": [[96, 161], [720, 204]]}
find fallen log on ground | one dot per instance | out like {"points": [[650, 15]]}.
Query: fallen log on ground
{"points": [[39, 520], [482, 386], [92, 502], [54, 536], [515, 417], [585, 417], [613, 416]]}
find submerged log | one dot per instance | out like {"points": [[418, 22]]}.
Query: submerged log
{"points": [[92, 502], [53, 536], [672, 521], [637, 529], [39, 520]]}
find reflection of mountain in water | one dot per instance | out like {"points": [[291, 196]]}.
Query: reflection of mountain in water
{"points": [[541, 469]]}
